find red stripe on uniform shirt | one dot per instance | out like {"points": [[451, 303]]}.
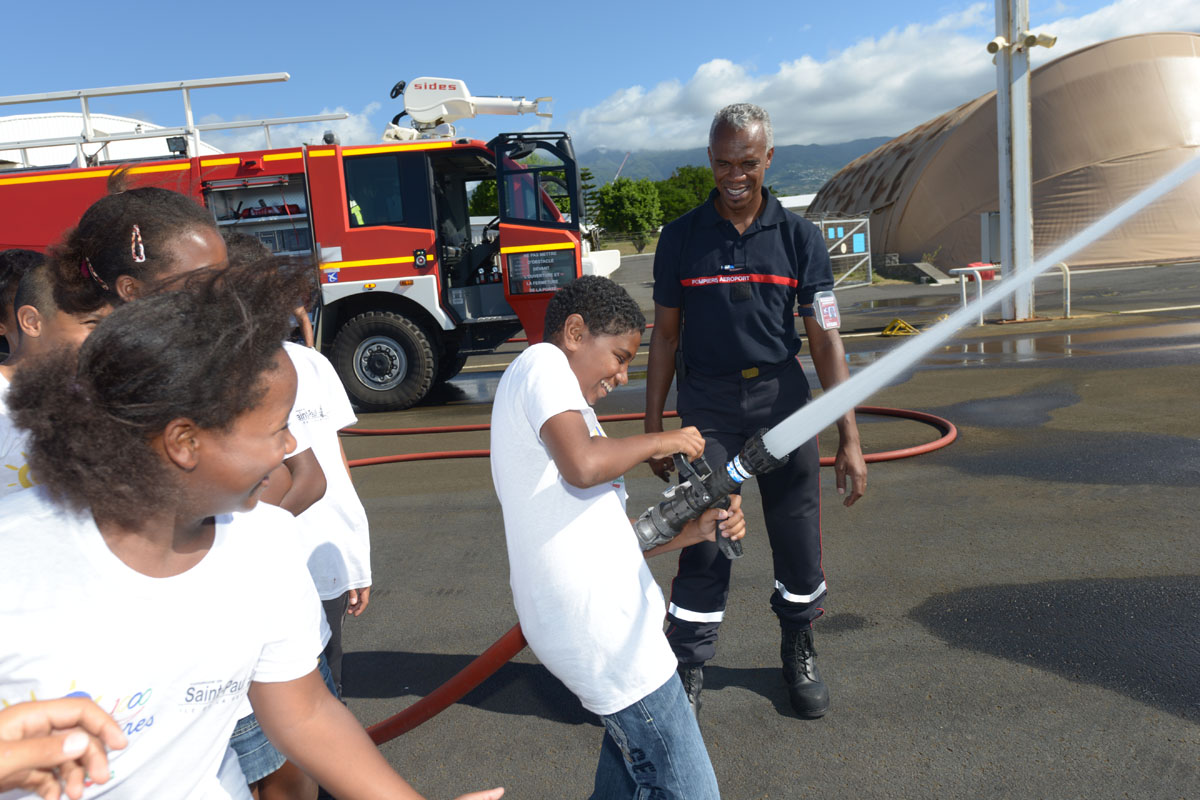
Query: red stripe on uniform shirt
{"points": [[719, 279]]}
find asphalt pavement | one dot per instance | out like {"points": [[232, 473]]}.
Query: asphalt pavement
{"points": [[1013, 616]]}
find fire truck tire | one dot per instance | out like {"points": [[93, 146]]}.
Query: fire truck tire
{"points": [[449, 365], [385, 360]]}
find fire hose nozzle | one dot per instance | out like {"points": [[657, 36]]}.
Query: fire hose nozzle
{"points": [[701, 489]]}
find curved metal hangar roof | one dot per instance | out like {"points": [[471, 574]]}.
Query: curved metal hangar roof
{"points": [[1107, 121]]}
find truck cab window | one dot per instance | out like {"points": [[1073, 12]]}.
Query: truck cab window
{"points": [[373, 190]]}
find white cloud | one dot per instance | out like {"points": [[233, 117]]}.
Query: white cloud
{"points": [[876, 87], [355, 129]]}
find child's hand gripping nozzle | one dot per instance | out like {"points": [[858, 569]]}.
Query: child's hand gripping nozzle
{"points": [[699, 489]]}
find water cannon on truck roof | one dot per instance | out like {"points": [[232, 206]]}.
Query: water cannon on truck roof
{"points": [[434, 104]]}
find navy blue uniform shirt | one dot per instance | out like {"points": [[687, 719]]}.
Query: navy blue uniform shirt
{"points": [[737, 292]]}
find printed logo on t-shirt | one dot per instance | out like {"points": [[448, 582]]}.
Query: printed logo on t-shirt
{"points": [[306, 415], [16, 476], [204, 694], [131, 711], [14, 463]]}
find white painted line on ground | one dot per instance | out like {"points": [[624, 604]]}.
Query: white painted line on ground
{"points": [[1153, 310]]}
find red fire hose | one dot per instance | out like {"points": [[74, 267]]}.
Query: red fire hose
{"points": [[949, 434], [452, 690]]}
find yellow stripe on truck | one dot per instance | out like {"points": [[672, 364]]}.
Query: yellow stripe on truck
{"points": [[392, 148], [68, 176], [370, 262], [162, 168], [99, 173], [537, 248]]}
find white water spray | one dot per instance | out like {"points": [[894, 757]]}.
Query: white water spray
{"points": [[826, 409]]}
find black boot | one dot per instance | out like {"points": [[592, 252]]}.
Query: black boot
{"points": [[692, 676], [808, 693]]}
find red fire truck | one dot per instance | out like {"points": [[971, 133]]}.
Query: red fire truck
{"points": [[408, 288]]}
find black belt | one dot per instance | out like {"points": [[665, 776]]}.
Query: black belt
{"points": [[749, 373]]}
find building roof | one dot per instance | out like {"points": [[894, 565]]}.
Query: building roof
{"points": [[57, 125], [1107, 121]]}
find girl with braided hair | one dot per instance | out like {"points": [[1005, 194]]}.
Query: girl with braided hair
{"points": [[129, 240]]}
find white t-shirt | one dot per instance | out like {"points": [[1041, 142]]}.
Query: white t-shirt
{"points": [[14, 465], [169, 658], [588, 605], [334, 529]]}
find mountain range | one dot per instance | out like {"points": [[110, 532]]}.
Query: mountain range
{"points": [[795, 168]]}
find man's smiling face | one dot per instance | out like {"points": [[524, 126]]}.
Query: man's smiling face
{"points": [[739, 159]]}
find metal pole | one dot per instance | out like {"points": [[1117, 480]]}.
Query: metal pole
{"points": [[1014, 152], [88, 133], [190, 124]]}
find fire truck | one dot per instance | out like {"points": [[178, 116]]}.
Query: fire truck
{"points": [[409, 287]]}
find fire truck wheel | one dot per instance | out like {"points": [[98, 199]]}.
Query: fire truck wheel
{"points": [[449, 365], [385, 360]]}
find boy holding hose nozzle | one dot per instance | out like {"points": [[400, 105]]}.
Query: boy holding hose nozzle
{"points": [[587, 603]]}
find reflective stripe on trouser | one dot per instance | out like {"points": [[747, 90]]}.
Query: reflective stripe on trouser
{"points": [[727, 412]]}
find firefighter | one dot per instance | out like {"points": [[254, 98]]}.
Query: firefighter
{"points": [[727, 276]]}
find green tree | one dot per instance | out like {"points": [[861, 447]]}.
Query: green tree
{"points": [[483, 201], [591, 195], [630, 207], [687, 188]]}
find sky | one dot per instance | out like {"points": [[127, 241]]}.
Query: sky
{"points": [[624, 75]]}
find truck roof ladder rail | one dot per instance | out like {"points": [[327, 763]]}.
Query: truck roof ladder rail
{"points": [[190, 129]]}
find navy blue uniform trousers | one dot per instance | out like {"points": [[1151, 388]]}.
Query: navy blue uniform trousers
{"points": [[728, 410]]}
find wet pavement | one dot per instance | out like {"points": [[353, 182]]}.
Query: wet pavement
{"points": [[1016, 615]]}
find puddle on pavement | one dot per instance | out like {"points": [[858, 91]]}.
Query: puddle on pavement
{"points": [[1053, 345], [1086, 457], [1024, 410], [1135, 636]]}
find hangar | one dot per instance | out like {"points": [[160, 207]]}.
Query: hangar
{"points": [[1107, 120]]}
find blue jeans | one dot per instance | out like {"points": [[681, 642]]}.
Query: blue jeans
{"points": [[257, 756], [653, 751]]}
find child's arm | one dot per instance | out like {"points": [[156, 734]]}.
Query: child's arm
{"points": [[308, 482], [715, 522], [280, 481], [585, 460], [305, 325], [359, 598], [307, 724]]}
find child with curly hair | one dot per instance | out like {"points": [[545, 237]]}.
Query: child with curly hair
{"points": [[152, 445]]}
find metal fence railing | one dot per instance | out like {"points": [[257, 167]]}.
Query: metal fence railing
{"points": [[849, 245]]}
